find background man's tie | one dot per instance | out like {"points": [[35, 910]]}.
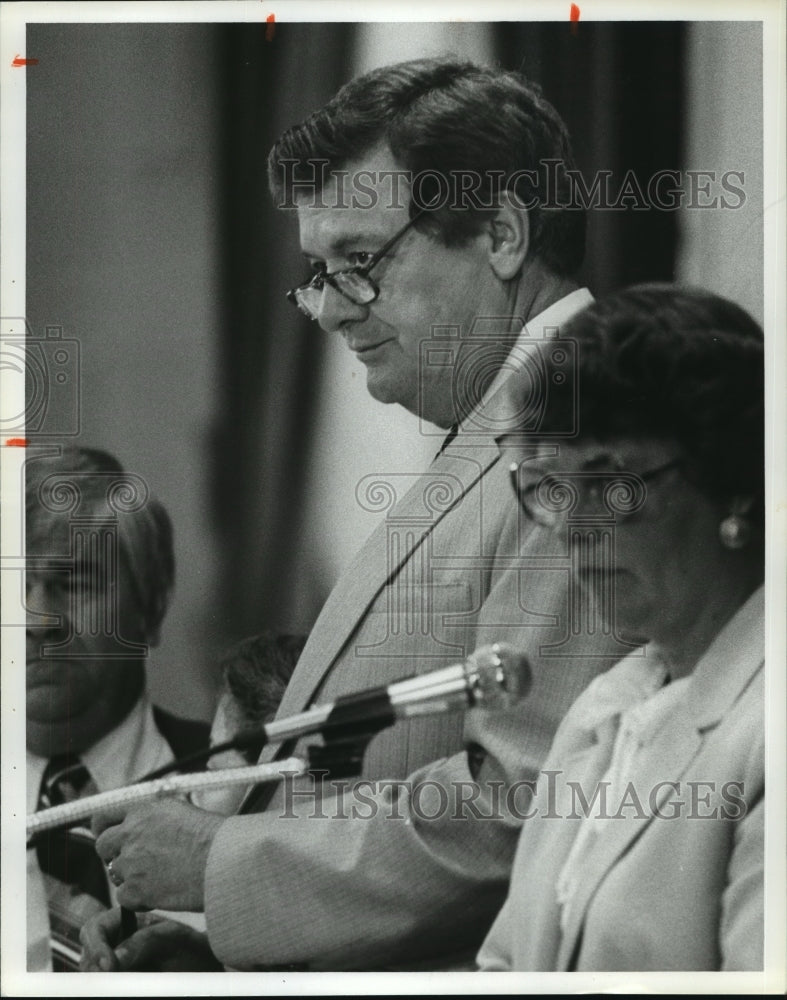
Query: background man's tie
{"points": [[74, 876]]}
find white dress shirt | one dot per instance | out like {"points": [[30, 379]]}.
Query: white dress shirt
{"points": [[501, 407], [128, 752]]}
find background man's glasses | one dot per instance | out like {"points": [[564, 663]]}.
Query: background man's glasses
{"points": [[353, 283], [548, 499]]}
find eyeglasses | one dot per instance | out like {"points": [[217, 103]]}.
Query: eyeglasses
{"points": [[599, 493], [353, 283]]}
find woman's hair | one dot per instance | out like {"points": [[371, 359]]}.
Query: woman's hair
{"points": [[451, 121], [673, 363]]}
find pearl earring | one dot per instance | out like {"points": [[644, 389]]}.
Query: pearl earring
{"points": [[734, 532]]}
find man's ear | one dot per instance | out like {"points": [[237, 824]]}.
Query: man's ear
{"points": [[151, 633], [509, 232]]}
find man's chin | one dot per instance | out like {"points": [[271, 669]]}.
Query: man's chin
{"points": [[627, 620], [58, 692], [380, 391], [384, 390], [51, 703], [49, 737]]}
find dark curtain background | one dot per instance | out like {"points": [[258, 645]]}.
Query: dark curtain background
{"points": [[269, 357], [619, 88]]}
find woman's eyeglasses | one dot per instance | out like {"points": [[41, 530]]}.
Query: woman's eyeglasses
{"points": [[595, 493]]}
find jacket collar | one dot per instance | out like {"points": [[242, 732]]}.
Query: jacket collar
{"points": [[722, 673], [517, 388], [728, 664]]}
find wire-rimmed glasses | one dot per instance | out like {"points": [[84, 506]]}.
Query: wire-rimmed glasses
{"points": [[353, 283]]}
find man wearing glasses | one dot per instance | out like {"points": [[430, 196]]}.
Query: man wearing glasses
{"points": [[444, 256]]}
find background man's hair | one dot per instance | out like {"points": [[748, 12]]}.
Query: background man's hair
{"points": [[256, 672], [447, 115], [145, 536], [677, 363]]}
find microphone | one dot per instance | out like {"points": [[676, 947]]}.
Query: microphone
{"points": [[493, 677]]}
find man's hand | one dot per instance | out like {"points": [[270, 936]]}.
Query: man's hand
{"points": [[158, 946], [159, 853]]}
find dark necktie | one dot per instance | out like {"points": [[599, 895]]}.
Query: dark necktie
{"points": [[74, 876], [453, 431]]}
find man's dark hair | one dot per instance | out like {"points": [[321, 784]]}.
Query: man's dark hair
{"points": [[449, 117], [680, 364]]}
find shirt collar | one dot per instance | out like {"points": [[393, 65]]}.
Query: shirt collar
{"points": [[717, 679], [545, 324], [636, 678], [129, 751], [500, 408]]}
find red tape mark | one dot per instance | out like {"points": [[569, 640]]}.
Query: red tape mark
{"points": [[270, 31], [16, 443], [19, 61], [574, 15]]}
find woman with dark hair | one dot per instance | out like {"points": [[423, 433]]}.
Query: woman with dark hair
{"points": [[644, 846]]}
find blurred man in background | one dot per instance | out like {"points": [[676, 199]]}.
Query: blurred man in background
{"points": [[99, 575], [255, 672]]}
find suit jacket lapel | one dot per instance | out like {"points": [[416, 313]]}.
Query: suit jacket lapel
{"points": [[671, 755], [721, 675], [451, 475], [458, 468]]}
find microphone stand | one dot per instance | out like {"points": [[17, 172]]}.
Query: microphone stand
{"points": [[346, 735], [350, 727]]}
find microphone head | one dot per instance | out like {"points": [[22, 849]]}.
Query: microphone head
{"points": [[499, 676]]}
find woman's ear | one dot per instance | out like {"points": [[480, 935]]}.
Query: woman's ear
{"points": [[509, 232]]}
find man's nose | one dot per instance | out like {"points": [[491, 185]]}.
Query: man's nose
{"points": [[45, 613], [336, 310]]}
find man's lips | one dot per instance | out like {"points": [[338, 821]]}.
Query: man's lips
{"points": [[364, 350], [40, 673]]}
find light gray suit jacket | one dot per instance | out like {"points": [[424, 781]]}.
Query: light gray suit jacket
{"points": [[443, 573], [680, 888]]}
